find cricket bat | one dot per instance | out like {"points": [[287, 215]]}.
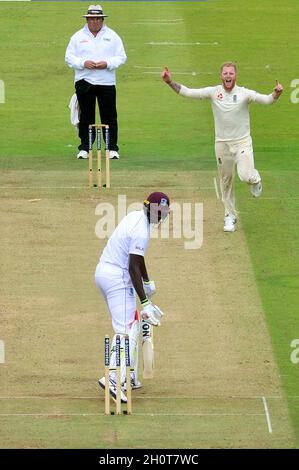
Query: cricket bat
{"points": [[147, 350]]}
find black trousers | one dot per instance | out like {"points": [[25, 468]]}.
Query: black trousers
{"points": [[87, 95]]}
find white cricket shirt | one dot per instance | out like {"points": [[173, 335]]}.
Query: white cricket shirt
{"points": [[131, 236], [230, 109], [106, 45]]}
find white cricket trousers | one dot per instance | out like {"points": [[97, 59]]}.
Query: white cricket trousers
{"points": [[117, 289], [231, 154]]}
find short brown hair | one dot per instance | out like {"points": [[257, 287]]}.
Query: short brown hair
{"points": [[228, 64]]}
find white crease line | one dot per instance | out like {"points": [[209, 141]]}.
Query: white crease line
{"points": [[43, 187], [165, 43], [210, 415], [95, 189], [200, 414], [146, 67], [47, 414], [216, 187], [154, 23], [159, 70], [267, 415], [35, 397], [177, 73], [160, 20]]}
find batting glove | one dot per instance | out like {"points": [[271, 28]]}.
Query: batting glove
{"points": [[151, 314], [149, 288]]}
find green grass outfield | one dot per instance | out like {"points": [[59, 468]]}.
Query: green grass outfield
{"points": [[164, 140]]}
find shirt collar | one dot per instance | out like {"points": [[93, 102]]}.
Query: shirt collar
{"points": [[229, 92], [87, 31]]}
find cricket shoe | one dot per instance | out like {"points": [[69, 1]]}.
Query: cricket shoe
{"points": [[229, 223], [112, 389], [256, 189], [134, 385], [82, 155], [113, 155]]}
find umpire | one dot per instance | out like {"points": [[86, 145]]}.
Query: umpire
{"points": [[95, 52]]}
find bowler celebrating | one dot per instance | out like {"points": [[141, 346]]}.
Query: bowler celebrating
{"points": [[121, 273], [233, 143]]}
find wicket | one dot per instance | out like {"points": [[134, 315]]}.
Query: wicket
{"points": [[117, 400], [98, 130]]}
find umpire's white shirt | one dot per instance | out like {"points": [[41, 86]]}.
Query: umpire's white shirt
{"points": [[105, 46], [230, 109], [131, 236]]}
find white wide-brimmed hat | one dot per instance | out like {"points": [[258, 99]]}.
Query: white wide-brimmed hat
{"points": [[95, 11]]}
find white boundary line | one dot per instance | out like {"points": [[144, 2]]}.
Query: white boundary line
{"points": [[216, 187], [267, 415]]}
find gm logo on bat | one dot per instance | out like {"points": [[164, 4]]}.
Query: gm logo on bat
{"points": [[295, 354]]}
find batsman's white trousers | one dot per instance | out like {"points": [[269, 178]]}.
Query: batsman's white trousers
{"points": [[231, 154], [118, 291]]}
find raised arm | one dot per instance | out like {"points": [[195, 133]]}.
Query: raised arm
{"points": [[277, 90], [267, 99], [166, 76], [182, 90]]}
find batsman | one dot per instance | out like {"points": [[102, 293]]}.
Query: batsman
{"points": [[121, 275]]}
